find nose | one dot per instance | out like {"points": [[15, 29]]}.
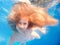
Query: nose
{"points": [[22, 26]]}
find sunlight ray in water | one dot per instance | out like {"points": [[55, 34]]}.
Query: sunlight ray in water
{"points": [[5, 9]]}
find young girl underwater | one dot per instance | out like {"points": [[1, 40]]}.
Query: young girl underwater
{"points": [[25, 19]]}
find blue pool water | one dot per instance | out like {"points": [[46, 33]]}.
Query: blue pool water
{"points": [[51, 38]]}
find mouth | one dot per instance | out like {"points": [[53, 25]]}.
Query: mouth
{"points": [[20, 29]]}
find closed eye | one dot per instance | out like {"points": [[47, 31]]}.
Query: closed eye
{"points": [[24, 23]]}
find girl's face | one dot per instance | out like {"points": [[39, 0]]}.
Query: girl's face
{"points": [[23, 24]]}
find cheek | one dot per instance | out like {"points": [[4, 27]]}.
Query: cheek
{"points": [[19, 26]]}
